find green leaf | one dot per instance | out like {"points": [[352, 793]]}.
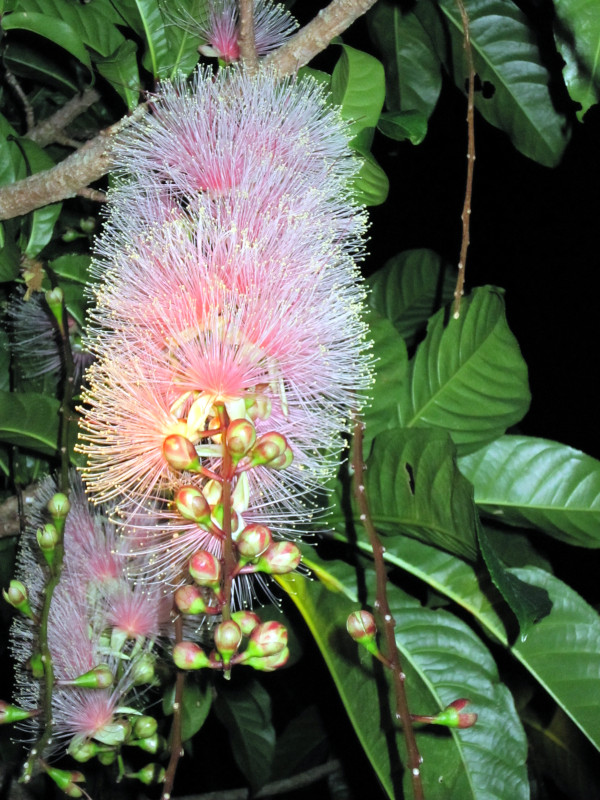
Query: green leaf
{"points": [[506, 58], [358, 86], [27, 62], [371, 185], [577, 33], [443, 660], [391, 363], [528, 603], [183, 36], [539, 484], [121, 70], [412, 66], [43, 221], [409, 288], [197, 700], [562, 651], [30, 421], [146, 19], [401, 125], [414, 487], [72, 266], [246, 713], [304, 737], [468, 376], [51, 28]]}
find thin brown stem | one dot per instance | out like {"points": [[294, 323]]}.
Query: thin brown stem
{"points": [[466, 212], [382, 607], [94, 195], [16, 86], [53, 128], [246, 38], [176, 743]]}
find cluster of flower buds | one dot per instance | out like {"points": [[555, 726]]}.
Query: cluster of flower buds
{"points": [[265, 646]]}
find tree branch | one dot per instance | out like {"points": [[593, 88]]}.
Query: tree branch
{"points": [[52, 129], [93, 159], [86, 165], [246, 39]]}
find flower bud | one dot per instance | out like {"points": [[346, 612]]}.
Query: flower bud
{"points": [[59, 506], [18, 597], [144, 726], [66, 780], [188, 655], [279, 558], [227, 637], [269, 663], [151, 773], [268, 447], [107, 757], [189, 600], [450, 717], [48, 538], [253, 541], [258, 407], [142, 670], [180, 453], [10, 713], [192, 504], [247, 620], [205, 569], [240, 437], [83, 750], [55, 299], [362, 628], [267, 639], [283, 461], [149, 744], [100, 677], [115, 732]]}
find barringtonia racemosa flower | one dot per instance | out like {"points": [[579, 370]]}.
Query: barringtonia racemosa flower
{"points": [[238, 305], [218, 28]]}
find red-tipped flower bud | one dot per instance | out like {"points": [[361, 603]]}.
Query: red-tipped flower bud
{"points": [[18, 597], [267, 639], [450, 717], [10, 714], [253, 541], [188, 655], [267, 450], [362, 628], [192, 505], [205, 569], [190, 600], [269, 663], [247, 620], [228, 637], [279, 558], [66, 780], [240, 437], [180, 453]]}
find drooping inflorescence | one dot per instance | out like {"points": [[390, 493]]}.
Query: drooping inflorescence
{"points": [[227, 329]]}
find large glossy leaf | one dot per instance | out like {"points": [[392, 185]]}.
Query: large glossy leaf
{"points": [[540, 484], [29, 62], [246, 713], [562, 652], [57, 30], [414, 487], [371, 185], [508, 60], [443, 660], [412, 67], [358, 86], [390, 368], [146, 19], [30, 421], [409, 288], [121, 70], [468, 376], [577, 32]]}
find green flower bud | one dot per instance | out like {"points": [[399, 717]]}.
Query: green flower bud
{"points": [[83, 750], [114, 733], [227, 637], [151, 773], [142, 671], [66, 780], [362, 628], [192, 504], [189, 600], [55, 299], [450, 717], [247, 620], [48, 538], [100, 677], [59, 506], [144, 726], [18, 597], [266, 639], [10, 713], [240, 437], [150, 744]]}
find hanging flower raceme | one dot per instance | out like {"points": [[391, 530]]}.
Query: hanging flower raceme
{"points": [[227, 328]]}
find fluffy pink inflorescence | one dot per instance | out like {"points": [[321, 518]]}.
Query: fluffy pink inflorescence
{"points": [[219, 29], [241, 292]]}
